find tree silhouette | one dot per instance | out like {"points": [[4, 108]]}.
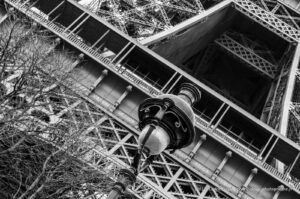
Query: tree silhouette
{"points": [[40, 150]]}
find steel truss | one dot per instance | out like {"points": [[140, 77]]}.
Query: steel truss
{"points": [[281, 11], [109, 145], [85, 91], [116, 149], [105, 143], [273, 106], [249, 52], [294, 115], [143, 18], [268, 20], [266, 12]]}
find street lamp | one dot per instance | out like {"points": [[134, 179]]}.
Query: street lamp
{"points": [[166, 123]]}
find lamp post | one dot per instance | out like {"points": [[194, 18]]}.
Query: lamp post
{"points": [[166, 123]]}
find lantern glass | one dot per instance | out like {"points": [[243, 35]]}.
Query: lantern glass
{"points": [[157, 142]]}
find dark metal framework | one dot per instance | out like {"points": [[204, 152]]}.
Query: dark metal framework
{"points": [[175, 175]]}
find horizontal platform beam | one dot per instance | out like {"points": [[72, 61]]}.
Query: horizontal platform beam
{"points": [[247, 56], [268, 20]]}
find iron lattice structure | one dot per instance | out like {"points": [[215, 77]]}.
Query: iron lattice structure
{"points": [[106, 143], [172, 175], [142, 19]]}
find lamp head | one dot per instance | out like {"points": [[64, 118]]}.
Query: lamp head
{"points": [[172, 120], [157, 142]]}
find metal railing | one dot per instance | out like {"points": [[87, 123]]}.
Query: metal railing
{"points": [[224, 183], [77, 41]]}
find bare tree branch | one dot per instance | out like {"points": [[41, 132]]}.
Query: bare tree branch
{"points": [[39, 141]]}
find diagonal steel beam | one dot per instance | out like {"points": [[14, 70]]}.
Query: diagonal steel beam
{"points": [[246, 55], [268, 20]]}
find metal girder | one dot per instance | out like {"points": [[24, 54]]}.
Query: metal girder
{"points": [[288, 94], [111, 146], [271, 14], [73, 39], [247, 55], [163, 169], [125, 156], [152, 16], [273, 105], [69, 114], [294, 123], [291, 4], [281, 9], [136, 81], [294, 117], [199, 4], [268, 20], [180, 8]]}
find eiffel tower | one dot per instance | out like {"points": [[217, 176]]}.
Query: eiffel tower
{"points": [[243, 55]]}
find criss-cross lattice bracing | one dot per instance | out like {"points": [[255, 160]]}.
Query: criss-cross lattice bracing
{"points": [[141, 19], [110, 145], [247, 53], [268, 19], [105, 144], [83, 89], [294, 115], [287, 12], [282, 10], [117, 148], [273, 105], [115, 144], [294, 124]]}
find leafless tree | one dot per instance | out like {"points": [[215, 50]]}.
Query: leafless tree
{"points": [[39, 152]]}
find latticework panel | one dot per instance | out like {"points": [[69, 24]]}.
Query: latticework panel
{"points": [[273, 106], [109, 146], [294, 126], [294, 115], [85, 131], [115, 144], [268, 20], [141, 19], [284, 12], [246, 55]]}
